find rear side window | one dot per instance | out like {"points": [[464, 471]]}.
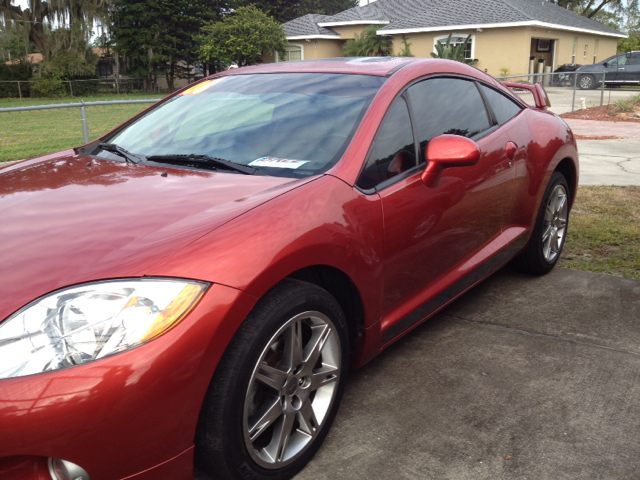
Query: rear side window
{"points": [[393, 150], [504, 109], [447, 105], [634, 59]]}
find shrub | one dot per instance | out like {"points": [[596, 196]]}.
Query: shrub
{"points": [[48, 87]]}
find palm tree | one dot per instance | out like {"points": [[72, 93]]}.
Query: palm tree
{"points": [[454, 52], [369, 44]]}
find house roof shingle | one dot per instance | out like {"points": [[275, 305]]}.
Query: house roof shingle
{"points": [[417, 14], [307, 25]]}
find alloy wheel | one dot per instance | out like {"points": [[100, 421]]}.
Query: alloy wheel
{"points": [[586, 83], [291, 390], [555, 223]]}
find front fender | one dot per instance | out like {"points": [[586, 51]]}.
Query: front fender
{"points": [[324, 222]]}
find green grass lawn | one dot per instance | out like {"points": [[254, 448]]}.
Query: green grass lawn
{"points": [[604, 232], [33, 133]]}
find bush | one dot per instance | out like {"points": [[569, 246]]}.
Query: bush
{"points": [[17, 71], [48, 87]]}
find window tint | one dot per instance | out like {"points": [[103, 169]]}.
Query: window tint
{"points": [[393, 150], [447, 105], [634, 59], [503, 108]]}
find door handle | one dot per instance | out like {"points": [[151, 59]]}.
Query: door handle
{"points": [[620, 68], [511, 149]]}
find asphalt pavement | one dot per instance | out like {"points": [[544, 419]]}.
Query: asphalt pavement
{"points": [[522, 378]]}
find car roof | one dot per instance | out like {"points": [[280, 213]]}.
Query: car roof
{"points": [[381, 66]]}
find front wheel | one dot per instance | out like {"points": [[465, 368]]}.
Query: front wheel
{"points": [[544, 248], [586, 82], [277, 389]]}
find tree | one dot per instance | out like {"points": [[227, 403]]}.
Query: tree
{"points": [[285, 10], [587, 8], [453, 52], [159, 36], [14, 44], [325, 7], [77, 16], [369, 44], [242, 38]]}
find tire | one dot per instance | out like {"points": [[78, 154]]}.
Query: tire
{"points": [[270, 405], [550, 231], [586, 82]]}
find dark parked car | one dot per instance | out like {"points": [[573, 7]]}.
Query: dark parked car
{"points": [[199, 280], [622, 69]]}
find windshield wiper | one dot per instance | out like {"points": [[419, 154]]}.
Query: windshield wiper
{"points": [[194, 160], [118, 150]]}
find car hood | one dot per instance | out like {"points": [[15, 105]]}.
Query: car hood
{"points": [[67, 219]]}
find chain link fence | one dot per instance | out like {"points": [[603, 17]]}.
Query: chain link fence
{"points": [[79, 88], [569, 91], [37, 130], [30, 131]]}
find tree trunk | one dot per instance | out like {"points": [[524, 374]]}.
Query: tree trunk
{"points": [[172, 72]]}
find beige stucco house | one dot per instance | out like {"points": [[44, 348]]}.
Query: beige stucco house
{"points": [[504, 33]]}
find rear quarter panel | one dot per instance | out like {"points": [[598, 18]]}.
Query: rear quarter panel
{"points": [[543, 142]]}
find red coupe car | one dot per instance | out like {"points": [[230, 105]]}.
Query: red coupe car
{"points": [[198, 282]]}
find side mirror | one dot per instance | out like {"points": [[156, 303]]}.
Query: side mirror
{"points": [[448, 151], [605, 64]]}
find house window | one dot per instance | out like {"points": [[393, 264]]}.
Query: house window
{"points": [[595, 51], [575, 48], [458, 39], [586, 47], [292, 52]]}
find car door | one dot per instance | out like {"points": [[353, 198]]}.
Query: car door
{"points": [[429, 231], [614, 70], [631, 72]]}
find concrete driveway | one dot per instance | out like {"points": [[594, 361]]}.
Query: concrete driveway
{"points": [[610, 162], [523, 377]]}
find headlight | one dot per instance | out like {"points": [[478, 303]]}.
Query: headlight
{"points": [[84, 323]]}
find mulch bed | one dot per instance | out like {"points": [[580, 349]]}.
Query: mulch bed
{"points": [[603, 114], [591, 137]]}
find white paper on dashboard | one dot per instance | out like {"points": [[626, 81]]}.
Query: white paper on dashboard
{"points": [[277, 162]]}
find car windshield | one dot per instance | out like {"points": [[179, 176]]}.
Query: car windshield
{"points": [[294, 124]]}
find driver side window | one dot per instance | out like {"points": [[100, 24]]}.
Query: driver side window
{"points": [[619, 60]]}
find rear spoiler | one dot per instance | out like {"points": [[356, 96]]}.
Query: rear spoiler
{"points": [[539, 93]]}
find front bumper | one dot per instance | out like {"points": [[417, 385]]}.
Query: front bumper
{"points": [[132, 415]]}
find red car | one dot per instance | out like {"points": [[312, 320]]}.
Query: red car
{"points": [[198, 282]]}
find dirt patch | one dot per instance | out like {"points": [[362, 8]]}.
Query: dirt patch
{"points": [[604, 114]]}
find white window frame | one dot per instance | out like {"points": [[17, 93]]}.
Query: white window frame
{"points": [[595, 52], [575, 50], [463, 35], [292, 45]]}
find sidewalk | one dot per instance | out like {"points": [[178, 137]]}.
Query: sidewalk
{"points": [[608, 162], [593, 128]]}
